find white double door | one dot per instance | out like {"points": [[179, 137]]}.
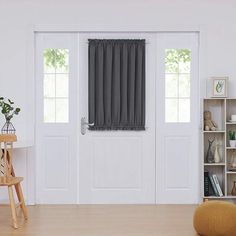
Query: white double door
{"points": [[106, 166]]}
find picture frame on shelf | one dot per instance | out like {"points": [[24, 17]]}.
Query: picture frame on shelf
{"points": [[219, 86]]}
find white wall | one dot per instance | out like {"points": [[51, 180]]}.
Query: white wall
{"points": [[217, 19]]}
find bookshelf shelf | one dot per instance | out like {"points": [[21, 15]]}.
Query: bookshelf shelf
{"points": [[214, 197], [214, 164], [217, 197], [230, 196], [221, 110], [217, 131]]}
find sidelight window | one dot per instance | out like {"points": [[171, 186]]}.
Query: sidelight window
{"points": [[56, 85], [177, 85]]}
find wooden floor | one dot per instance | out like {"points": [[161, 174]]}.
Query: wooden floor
{"points": [[101, 220]]}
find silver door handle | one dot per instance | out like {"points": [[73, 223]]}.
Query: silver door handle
{"points": [[84, 125]]}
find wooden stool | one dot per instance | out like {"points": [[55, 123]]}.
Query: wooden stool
{"points": [[8, 178]]}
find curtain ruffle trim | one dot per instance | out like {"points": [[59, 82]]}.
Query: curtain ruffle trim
{"points": [[102, 128]]}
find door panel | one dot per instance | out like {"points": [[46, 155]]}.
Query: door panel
{"points": [[56, 154], [55, 122], [111, 171], [117, 166], [177, 132], [180, 148]]}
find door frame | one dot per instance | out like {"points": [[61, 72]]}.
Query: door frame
{"points": [[31, 77]]}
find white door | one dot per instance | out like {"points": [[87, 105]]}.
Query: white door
{"points": [[177, 118], [117, 166], [56, 118]]}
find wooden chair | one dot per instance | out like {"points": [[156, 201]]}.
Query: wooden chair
{"points": [[8, 178]]}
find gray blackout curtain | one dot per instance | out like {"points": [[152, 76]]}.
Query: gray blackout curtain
{"points": [[117, 84]]}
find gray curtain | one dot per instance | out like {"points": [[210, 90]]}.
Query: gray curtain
{"points": [[117, 84]]}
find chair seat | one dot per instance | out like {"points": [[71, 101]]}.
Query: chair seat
{"points": [[8, 181]]}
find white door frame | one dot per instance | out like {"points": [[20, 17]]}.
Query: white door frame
{"points": [[30, 73]]}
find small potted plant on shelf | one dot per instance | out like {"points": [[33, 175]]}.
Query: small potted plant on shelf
{"points": [[7, 109], [232, 141]]}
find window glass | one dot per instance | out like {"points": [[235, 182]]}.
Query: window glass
{"points": [[56, 85], [171, 111], [49, 110], [177, 85]]}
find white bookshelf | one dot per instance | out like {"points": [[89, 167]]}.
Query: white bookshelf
{"points": [[221, 110]]}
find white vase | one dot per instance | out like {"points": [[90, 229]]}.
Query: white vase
{"points": [[232, 143], [217, 155]]}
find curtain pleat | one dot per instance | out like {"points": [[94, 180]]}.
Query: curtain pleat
{"points": [[91, 83], [117, 84], [99, 86], [107, 84], [124, 85]]}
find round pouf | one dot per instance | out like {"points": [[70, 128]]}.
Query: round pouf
{"points": [[215, 218]]}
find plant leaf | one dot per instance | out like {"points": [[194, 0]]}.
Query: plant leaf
{"points": [[10, 101]]}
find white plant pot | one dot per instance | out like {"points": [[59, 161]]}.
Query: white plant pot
{"points": [[232, 143]]}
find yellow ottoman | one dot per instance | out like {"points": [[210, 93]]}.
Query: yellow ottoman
{"points": [[215, 218]]}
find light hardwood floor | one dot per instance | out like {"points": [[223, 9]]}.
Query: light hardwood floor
{"points": [[101, 220]]}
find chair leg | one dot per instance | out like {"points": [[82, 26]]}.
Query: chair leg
{"points": [[21, 200], [13, 207]]}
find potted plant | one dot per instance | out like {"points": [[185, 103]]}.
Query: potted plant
{"points": [[232, 141], [7, 109]]}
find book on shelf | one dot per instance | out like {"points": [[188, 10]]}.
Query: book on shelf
{"points": [[208, 187], [206, 184], [213, 185], [217, 185]]}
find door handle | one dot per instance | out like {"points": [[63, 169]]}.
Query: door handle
{"points": [[84, 125]]}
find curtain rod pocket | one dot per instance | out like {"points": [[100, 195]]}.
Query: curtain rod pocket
{"points": [[122, 39]]}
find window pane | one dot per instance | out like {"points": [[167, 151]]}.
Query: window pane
{"points": [[62, 109], [171, 110], [49, 110], [184, 85], [48, 68], [56, 85], [184, 110], [184, 67], [63, 63], [177, 60], [62, 85], [171, 85], [49, 85], [171, 61], [177, 85], [56, 60]]}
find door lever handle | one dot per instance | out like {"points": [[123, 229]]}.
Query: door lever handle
{"points": [[84, 125]]}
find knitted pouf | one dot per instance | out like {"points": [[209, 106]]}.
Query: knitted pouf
{"points": [[215, 218]]}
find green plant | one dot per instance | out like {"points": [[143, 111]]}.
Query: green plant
{"points": [[7, 108], [231, 135]]}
